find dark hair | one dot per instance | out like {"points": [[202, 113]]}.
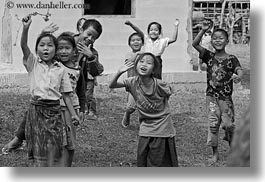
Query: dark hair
{"points": [[79, 23], [133, 34], [156, 62], [95, 24], [67, 36], [154, 23], [221, 30], [42, 35]]}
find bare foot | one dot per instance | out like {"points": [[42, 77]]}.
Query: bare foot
{"points": [[213, 160], [12, 145]]}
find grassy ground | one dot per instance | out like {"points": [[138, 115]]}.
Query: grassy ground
{"points": [[104, 143]]}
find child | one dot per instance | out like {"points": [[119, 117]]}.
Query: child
{"points": [[136, 42], [156, 145], [48, 83], [65, 53], [155, 43], [88, 60], [222, 69]]}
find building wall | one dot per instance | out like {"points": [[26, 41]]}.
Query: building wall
{"points": [[112, 45]]}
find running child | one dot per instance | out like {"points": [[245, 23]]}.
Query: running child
{"points": [[222, 70], [155, 42], [135, 41], [48, 83], [156, 145]]}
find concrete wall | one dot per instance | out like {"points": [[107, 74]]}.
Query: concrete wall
{"points": [[112, 45]]}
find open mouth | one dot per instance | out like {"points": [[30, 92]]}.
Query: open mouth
{"points": [[143, 69]]}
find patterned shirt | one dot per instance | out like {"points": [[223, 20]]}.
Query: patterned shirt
{"points": [[219, 73], [156, 47], [46, 83], [154, 113]]}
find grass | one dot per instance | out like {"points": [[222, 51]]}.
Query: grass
{"points": [[104, 143]]}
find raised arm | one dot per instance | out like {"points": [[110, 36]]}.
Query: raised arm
{"points": [[114, 82], [135, 28], [175, 33], [24, 37], [196, 42]]}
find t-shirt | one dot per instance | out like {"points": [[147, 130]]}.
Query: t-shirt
{"points": [[73, 74], [154, 113], [46, 82], [219, 73]]}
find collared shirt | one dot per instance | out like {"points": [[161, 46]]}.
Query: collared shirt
{"points": [[154, 112], [46, 82], [156, 47]]}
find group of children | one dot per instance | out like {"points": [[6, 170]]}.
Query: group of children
{"points": [[61, 72]]}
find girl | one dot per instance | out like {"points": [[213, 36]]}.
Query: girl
{"points": [[156, 145], [154, 42], [66, 53], [222, 70], [48, 83], [136, 42]]}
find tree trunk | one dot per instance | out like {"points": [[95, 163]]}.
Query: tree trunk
{"points": [[222, 13]]}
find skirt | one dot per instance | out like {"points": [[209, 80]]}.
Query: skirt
{"points": [[44, 133]]}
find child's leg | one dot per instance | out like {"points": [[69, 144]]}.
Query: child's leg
{"points": [[69, 138], [91, 100], [227, 115], [68, 156], [214, 124], [19, 136], [142, 151]]}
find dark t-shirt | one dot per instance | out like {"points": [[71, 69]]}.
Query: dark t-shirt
{"points": [[219, 73]]}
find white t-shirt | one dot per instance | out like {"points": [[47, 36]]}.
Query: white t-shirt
{"points": [[156, 47]]}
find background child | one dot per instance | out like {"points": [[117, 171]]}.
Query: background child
{"points": [[135, 42], [89, 61], [65, 54], [222, 69], [156, 145], [48, 79], [154, 42]]}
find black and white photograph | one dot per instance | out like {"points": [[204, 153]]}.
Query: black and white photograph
{"points": [[123, 84]]}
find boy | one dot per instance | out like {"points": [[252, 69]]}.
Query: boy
{"points": [[222, 70]]}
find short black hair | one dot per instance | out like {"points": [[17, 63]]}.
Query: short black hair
{"points": [[221, 30], [133, 34], [94, 23]]}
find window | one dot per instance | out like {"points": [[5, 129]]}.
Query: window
{"points": [[108, 7]]}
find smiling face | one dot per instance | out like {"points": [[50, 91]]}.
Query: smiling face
{"points": [[65, 51], [89, 35], [219, 40], [154, 31], [46, 49], [136, 43], [145, 66]]}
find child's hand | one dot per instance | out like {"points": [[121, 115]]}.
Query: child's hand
{"points": [[50, 28], [26, 21], [235, 78], [206, 24], [89, 76], [75, 120], [127, 22], [83, 49], [176, 22], [127, 65]]}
